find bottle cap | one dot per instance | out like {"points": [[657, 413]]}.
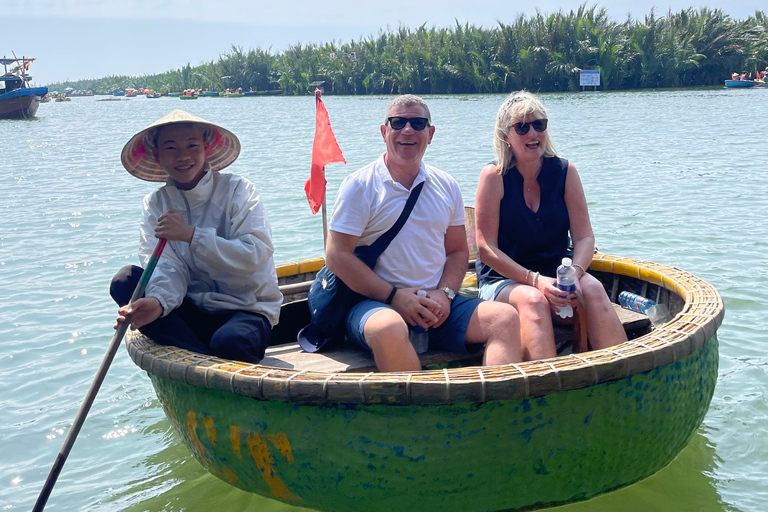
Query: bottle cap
{"points": [[421, 293], [567, 262]]}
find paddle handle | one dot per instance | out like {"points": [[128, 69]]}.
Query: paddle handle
{"points": [[97, 381]]}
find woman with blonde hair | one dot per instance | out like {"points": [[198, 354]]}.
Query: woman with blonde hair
{"points": [[530, 204]]}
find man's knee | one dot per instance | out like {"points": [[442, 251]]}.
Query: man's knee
{"points": [[384, 329], [494, 320], [124, 283], [499, 313]]}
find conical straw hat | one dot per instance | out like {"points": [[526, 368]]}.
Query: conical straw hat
{"points": [[138, 158]]}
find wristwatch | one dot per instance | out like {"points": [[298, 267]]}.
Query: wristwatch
{"points": [[448, 292]]}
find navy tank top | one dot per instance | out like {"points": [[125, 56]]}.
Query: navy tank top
{"points": [[536, 240]]}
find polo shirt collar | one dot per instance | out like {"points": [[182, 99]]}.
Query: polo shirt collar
{"points": [[386, 177]]}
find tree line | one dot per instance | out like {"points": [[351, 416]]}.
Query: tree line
{"points": [[544, 52]]}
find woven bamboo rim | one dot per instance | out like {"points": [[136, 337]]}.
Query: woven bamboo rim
{"points": [[696, 323]]}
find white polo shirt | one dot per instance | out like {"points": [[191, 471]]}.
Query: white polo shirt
{"points": [[369, 202]]}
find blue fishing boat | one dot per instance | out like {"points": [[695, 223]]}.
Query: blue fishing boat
{"points": [[17, 99], [740, 83]]}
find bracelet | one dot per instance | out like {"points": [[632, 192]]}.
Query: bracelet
{"points": [[535, 278], [580, 267], [391, 295], [527, 273]]}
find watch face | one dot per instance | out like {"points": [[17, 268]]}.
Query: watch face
{"points": [[450, 293]]}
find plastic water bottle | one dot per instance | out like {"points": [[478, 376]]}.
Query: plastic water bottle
{"points": [[418, 335], [566, 281], [658, 313], [636, 303]]}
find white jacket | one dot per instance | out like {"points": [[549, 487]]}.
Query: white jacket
{"points": [[228, 265]]}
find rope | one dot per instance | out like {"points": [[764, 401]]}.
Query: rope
{"points": [[557, 375], [232, 378], [325, 386], [191, 366], [208, 371], [408, 389], [156, 358], [588, 363], [288, 384], [621, 357], [525, 379], [261, 382], [482, 384], [447, 386], [362, 389], [646, 347]]}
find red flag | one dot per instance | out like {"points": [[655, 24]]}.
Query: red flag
{"points": [[325, 150]]}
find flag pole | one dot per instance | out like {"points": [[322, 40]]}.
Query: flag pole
{"points": [[325, 226], [325, 150]]}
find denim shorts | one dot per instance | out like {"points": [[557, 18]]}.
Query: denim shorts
{"points": [[491, 291], [450, 336]]}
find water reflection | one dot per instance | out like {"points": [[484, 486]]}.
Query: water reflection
{"points": [[175, 481], [684, 485]]}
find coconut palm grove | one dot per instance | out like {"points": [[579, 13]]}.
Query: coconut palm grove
{"points": [[545, 52]]}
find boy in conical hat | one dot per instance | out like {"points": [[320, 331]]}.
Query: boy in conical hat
{"points": [[214, 290]]}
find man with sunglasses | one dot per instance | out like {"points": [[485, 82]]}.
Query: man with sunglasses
{"points": [[428, 255]]}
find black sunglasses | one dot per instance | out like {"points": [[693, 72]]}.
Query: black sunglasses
{"points": [[522, 128], [417, 123]]}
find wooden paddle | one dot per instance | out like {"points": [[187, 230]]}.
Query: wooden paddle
{"points": [[97, 380]]}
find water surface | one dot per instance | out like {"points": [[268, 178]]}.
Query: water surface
{"points": [[667, 179]]}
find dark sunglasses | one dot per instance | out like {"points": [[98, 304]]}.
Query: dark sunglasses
{"points": [[417, 123], [522, 128]]}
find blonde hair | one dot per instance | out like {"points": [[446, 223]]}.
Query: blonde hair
{"points": [[518, 106]]}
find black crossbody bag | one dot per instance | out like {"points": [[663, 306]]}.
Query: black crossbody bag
{"points": [[330, 299]]}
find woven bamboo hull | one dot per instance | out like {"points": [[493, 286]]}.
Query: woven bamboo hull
{"points": [[465, 439], [499, 455]]}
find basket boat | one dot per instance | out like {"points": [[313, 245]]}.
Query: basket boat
{"points": [[454, 436]]}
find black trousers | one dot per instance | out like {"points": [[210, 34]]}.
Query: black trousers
{"points": [[239, 335]]}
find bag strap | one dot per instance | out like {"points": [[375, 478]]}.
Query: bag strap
{"points": [[381, 243]]}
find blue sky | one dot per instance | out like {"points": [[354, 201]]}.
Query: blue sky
{"points": [[94, 38]]}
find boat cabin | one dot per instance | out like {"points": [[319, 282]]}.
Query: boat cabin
{"points": [[17, 77], [10, 83]]}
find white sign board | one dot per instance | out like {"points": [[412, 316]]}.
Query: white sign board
{"points": [[589, 78]]}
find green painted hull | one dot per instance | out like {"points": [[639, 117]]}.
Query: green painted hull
{"points": [[498, 455]]}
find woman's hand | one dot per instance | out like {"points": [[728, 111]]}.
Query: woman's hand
{"points": [[172, 226], [548, 286], [143, 311]]}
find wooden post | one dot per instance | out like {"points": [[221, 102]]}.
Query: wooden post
{"points": [[580, 341], [325, 225]]}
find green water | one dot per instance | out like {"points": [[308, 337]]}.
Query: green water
{"points": [[669, 177]]}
